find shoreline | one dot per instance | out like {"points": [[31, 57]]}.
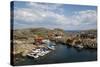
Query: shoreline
{"points": [[23, 40]]}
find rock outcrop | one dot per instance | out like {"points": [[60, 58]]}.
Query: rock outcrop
{"points": [[86, 39], [23, 40]]}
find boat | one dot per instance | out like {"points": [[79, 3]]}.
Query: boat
{"points": [[51, 47], [49, 44], [38, 52], [33, 55], [43, 53], [79, 46]]}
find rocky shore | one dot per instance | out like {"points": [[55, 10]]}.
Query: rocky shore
{"points": [[23, 40], [81, 39]]}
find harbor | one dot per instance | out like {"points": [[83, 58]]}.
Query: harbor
{"points": [[61, 54], [41, 51], [44, 46]]}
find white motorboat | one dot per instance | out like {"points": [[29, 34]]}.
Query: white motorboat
{"points": [[33, 55], [80, 46], [38, 52], [49, 44]]}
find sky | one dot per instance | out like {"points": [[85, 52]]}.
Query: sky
{"points": [[52, 15]]}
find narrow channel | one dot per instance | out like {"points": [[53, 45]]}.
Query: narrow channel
{"points": [[62, 54]]}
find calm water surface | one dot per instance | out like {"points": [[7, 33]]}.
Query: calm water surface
{"points": [[62, 54]]}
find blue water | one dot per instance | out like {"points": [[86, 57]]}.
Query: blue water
{"points": [[62, 54]]}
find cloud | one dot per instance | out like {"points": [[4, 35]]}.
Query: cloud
{"points": [[37, 14], [45, 6], [27, 15], [86, 17], [51, 16]]}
